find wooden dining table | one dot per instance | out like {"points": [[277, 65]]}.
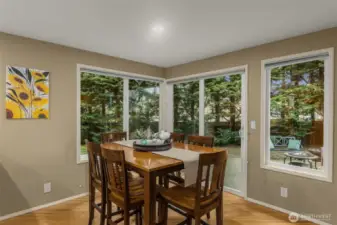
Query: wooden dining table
{"points": [[151, 165]]}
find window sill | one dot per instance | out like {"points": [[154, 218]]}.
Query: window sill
{"points": [[82, 159], [298, 171]]}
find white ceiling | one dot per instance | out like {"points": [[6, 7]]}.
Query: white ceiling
{"points": [[193, 29]]}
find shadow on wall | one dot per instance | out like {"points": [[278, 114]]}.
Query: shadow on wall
{"points": [[10, 194], [21, 188]]}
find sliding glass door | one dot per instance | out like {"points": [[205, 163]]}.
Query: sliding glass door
{"points": [[223, 121], [214, 106]]}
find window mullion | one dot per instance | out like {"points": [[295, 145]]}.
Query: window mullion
{"points": [[201, 107], [126, 106], [168, 119]]}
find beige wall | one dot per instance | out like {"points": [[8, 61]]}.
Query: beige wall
{"points": [[305, 195], [35, 151]]}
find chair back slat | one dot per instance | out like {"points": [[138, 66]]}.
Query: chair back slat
{"points": [[206, 141], [214, 164], [115, 172], [177, 137], [112, 137], [95, 164]]}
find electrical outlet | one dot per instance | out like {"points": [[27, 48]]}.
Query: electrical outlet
{"points": [[284, 192], [47, 187]]}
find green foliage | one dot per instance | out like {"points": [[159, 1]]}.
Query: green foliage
{"points": [[102, 106], [297, 98], [143, 107], [223, 99], [186, 107], [224, 137]]}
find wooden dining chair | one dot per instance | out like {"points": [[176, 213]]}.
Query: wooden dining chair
{"points": [[110, 137], [177, 137], [127, 194], [192, 200], [206, 141], [96, 182]]}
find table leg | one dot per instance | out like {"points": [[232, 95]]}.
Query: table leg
{"points": [[150, 198]]}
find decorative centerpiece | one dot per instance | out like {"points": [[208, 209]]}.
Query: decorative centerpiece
{"points": [[158, 142]]}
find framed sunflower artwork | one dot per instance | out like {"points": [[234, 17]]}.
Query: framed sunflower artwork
{"points": [[27, 93]]}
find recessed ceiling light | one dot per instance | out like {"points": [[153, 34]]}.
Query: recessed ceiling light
{"points": [[158, 28]]}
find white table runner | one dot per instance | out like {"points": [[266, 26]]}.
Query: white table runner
{"points": [[189, 158]]}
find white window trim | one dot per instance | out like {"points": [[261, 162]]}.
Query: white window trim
{"points": [[117, 73], [266, 163]]}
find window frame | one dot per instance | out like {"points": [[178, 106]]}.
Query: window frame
{"points": [[126, 76], [326, 173]]}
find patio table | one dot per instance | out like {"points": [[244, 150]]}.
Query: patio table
{"points": [[301, 156]]}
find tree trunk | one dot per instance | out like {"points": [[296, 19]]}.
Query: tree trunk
{"points": [[232, 113]]}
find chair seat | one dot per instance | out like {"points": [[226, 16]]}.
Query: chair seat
{"points": [[136, 193], [184, 197]]}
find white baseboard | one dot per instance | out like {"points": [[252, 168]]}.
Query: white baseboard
{"points": [[310, 219], [233, 191], [40, 207]]}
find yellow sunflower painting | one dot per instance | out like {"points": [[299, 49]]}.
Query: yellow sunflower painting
{"points": [[27, 93]]}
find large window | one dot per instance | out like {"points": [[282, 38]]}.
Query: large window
{"points": [[114, 101], [298, 121], [186, 108], [101, 106]]}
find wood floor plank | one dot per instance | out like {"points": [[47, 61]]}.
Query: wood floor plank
{"points": [[75, 212]]}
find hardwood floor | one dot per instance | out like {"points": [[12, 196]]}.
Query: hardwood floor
{"points": [[236, 212]]}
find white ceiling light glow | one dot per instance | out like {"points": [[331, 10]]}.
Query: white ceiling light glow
{"points": [[158, 28]]}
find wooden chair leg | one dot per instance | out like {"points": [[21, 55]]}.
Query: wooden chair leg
{"points": [[219, 216], [197, 220], [91, 204], [103, 207], [139, 220], [189, 221], [208, 216], [108, 212], [126, 217]]}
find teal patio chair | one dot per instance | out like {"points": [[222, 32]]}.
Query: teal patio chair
{"points": [[294, 145]]}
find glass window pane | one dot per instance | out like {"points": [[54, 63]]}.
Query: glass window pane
{"points": [[186, 108], [143, 108], [223, 109], [296, 114], [223, 121], [101, 106]]}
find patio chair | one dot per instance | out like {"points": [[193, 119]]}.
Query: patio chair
{"points": [[294, 145], [271, 145]]}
